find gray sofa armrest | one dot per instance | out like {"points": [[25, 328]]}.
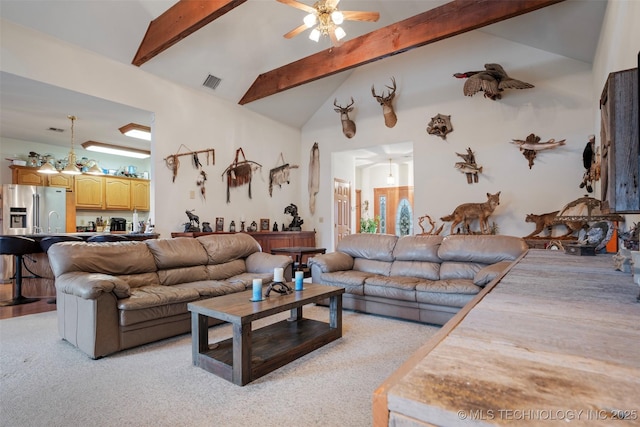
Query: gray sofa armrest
{"points": [[490, 272], [262, 262], [91, 285], [334, 261]]}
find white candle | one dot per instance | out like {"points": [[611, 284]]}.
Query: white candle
{"points": [[278, 274], [257, 289], [299, 279]]}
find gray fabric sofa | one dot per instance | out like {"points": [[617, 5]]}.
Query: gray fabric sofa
{"points": [[422, 278], [118, 295]]}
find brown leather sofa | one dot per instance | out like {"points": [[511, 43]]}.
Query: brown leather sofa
{"points": [[117, 295], [421, 278]]}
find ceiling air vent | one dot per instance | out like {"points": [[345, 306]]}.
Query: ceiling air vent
{"points": [[211, 82]]}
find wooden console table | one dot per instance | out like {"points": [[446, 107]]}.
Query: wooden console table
{"points": [[555, 340], [270, 239]]}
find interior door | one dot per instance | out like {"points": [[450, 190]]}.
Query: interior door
{"points": [[394, 205], [342, 209]]}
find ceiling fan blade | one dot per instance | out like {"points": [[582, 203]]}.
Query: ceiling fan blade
{"points": [[361, 16], [298, 5], [295, 31]]}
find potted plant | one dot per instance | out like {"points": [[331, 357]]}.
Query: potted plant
{"points": [[369, 225]]}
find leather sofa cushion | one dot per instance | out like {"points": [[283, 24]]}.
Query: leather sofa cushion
{"points": [[459, 270], [351, 280], [456, 286], [333, 261], [151, 313], [420, 269], [177, 252], [449, 300], [225, 270], [372, 266], [174, 276], [418, 248], [151, 296], [394, 287], [223, 248], [370, 246], [487, 249], [91, 285], [130, 257], [246, 279], [143, 279], [213, 288]]}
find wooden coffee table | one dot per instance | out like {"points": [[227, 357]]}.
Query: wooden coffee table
{"points": [[250, 354]]}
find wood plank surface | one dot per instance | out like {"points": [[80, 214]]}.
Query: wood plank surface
{"points": [[556, 340]]}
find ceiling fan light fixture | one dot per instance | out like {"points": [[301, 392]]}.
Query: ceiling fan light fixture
{"points": [[116, 150], [339, 32], [337, 17], [314, 35], [310, 20]]}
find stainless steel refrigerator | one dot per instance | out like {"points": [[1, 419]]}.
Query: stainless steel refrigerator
{"points": [[30, 209]]}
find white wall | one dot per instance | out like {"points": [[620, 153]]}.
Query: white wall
{"points": [[182, 116], [559, 107]]}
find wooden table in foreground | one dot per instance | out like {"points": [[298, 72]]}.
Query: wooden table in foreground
{"points": [[555, 341], [250, 354]]}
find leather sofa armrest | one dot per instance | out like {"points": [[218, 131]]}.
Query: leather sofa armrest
{"points": [[91, 285], [262, 262], [334, 261], [490, 272]]}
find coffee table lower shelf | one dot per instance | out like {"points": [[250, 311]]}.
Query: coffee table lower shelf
{"points": [[272, 347]]}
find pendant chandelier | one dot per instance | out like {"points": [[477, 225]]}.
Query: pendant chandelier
{"points": [[71, 168]]}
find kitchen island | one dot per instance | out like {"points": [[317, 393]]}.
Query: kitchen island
{"points": [[38, 263]]}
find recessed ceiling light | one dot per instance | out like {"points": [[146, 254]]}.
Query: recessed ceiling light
{"points": [[116, 150]]}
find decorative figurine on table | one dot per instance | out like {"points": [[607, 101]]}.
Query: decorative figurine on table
{"points": [[242, 226], [275, 226], [206, 227], [296, 223], [253, 226], [232, 227], [194, 222]]}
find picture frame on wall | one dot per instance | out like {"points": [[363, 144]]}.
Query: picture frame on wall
{"points": [[219, 224], [264, 224]]}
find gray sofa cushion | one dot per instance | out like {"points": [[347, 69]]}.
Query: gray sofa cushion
{"points": [[459, 270], [400, 288], [421, 269], [488, 249], [212, 288], [372, 266], [177, 252], [222, 248], [370, 246], [351, 280], [418, 248]]}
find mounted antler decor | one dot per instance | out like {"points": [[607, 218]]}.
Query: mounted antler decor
{"points": [[440, 125], [239, 172], [390, 118], [348, 125], [280, 174], [532, 145], [469, 167]]}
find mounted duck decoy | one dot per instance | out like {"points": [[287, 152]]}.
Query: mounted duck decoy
{"points": [[491, 81]]}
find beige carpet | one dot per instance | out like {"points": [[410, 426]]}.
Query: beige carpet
{"points": [[44, 381]]}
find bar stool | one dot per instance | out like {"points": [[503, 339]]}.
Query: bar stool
{"points": [[47, 242], [18, 246]]}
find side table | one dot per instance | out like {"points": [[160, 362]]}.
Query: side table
{"points": [[297, 253]]}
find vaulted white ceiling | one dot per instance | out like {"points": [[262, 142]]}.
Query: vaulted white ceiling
{"points": [[246, 42]]}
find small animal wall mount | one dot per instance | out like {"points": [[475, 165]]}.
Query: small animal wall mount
{"points": [[591, 162], [469, 166], [390, 118], [468, 212], [348, 125], [440, 125], [531, 145], [492, 81], [546, 222]]}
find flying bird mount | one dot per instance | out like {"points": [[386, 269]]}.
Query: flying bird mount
{"points": [[492, 80], [532, 145]]}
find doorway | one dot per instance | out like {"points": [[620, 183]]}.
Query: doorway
{"points": [[394, 207], [342, 209]]}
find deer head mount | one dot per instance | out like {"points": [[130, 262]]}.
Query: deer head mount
{"points": [[348, 126], [390, 118]]}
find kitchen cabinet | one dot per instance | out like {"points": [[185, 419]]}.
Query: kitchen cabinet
{"points": [[140, 194], [117, 193], [27, 175], [620, 142], [89, 190]]}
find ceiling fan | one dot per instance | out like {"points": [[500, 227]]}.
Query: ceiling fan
{"points": [[327, 18]]}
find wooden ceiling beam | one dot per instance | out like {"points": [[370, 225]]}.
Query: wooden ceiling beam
{"points": [[179, 21], [448, 20]]}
